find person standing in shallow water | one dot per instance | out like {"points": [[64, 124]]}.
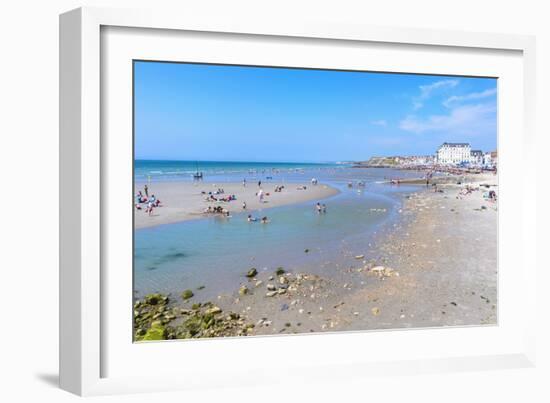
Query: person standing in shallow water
{"points": [[259, 184], [146, 189]]}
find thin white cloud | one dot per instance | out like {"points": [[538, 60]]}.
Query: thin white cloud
{"points": [[455, 99], [464, 120], [426, 91], [380, 122]]}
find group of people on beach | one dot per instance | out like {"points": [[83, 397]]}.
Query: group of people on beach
{"points": [[212, 198], [216, 210], [150, 202], [219, 191], [261, 194]]}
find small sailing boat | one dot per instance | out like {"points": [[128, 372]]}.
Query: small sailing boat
{"points": [[197, 175]]}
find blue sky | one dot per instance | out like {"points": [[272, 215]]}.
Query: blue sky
{"points": [[232, 113]]}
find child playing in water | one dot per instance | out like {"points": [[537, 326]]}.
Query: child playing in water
{"points": [[318, 207]]}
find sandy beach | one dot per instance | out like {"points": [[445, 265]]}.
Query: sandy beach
{"points": [[437, 266], [181, 201]]}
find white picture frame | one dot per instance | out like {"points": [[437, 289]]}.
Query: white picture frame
{"points": [[86, 301]]}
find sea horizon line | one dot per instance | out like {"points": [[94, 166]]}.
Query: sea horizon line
{"points": [[241, 161]]}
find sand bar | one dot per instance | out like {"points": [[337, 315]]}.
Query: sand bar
{"points": [[183, 201]]}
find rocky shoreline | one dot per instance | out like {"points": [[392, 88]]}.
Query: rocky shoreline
{"points": [[158, 317]]}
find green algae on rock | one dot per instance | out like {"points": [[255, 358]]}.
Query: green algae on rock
{"points": [[187, 294]]}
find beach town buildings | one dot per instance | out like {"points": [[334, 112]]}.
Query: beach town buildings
{"points": [[418, 160], [452, 154], [488, 159], [476, 157]]}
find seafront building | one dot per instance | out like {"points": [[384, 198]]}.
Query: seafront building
{"points": [[476, 157], [454, 153]]}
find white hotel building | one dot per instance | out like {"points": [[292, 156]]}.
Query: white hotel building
{"points": [[460, 153], [454, 153]]}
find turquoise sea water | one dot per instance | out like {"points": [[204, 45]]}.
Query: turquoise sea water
{"points": [[183, 170], [216, 252]]}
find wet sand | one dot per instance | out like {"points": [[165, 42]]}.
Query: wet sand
{"points": [[181, 201]]}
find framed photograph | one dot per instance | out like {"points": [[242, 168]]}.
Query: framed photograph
{"points": [[285, 200]]}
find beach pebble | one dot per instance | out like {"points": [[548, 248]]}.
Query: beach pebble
{"points": [[213, 311], [300, 311], [375, 311], [281, 291], [271, 293], [259, 283], [271, 287], [279, 271]]}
